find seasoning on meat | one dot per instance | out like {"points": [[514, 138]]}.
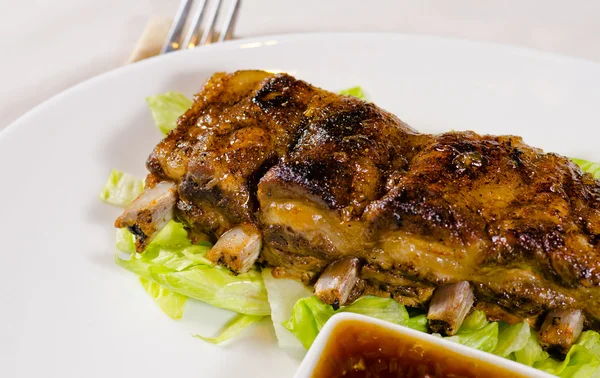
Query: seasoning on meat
{"points": [[319, 177]]}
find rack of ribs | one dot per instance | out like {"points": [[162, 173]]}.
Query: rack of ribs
{"points": [[342, 195]]}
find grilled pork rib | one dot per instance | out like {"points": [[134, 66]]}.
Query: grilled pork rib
{"points": [[337, 185]]}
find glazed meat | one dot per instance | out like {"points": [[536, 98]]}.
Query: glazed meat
{"points": [[336, 192]]}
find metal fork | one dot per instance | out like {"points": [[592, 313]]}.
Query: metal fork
{"points": [[195, 37]]}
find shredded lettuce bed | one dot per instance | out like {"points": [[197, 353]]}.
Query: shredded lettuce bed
{"points": [[172, 270], [176, 264]]}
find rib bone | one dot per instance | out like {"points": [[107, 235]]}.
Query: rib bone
{"points": [[337, 281], [449, 306], [237, 248], [149, 213], [560, 330]]}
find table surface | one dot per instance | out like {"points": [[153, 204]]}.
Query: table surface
{"points": [[48, 46]]}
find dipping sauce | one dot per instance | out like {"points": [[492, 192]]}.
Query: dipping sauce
{"points": [[356, 349]]}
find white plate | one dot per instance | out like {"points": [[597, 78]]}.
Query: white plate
{"points": [[67, 311]]}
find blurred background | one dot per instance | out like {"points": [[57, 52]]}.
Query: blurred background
{"points": [[48, 46]]}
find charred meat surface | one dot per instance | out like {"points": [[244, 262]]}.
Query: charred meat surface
{"points": [[323, 177]]}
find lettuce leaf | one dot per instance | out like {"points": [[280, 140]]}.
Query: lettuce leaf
{"points": [[418, 322], [121, 188], [588, 166], [484, 339], [381, 308], [590, 340], [176, 264], [531, 353], [308, 318], [125, 241], [476, 332], [355, 92], [309, 315], [583, 359], [233, 328], [171, 303], [283, 294], [512, 338], [166, 108], [474, 321]]}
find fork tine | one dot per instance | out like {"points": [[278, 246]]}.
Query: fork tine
{"points": [[172, 42], [227, 32], [191, 39], [208, 32]]}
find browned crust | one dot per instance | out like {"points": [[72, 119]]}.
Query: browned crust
{"points": [[472, 204]]}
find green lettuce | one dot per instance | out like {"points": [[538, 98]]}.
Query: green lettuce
{"points": [[418, 322], [309, 315], [233, 328], [166, 108], [476, 332], [512, 338], [475, 320], [355, 92], [176, 264], [283, 294], [121, 188], [484, 339], [589, 167], [171, 303], [381, 308], [583, 359], [531, 353]]}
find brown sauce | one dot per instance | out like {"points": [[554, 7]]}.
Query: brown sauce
{"points": [[357, 350]]}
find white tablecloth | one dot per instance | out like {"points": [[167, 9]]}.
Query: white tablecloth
{"points": [[48, 46]]}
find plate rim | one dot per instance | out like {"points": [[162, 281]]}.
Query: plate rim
{"points": [[523, 51]]}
